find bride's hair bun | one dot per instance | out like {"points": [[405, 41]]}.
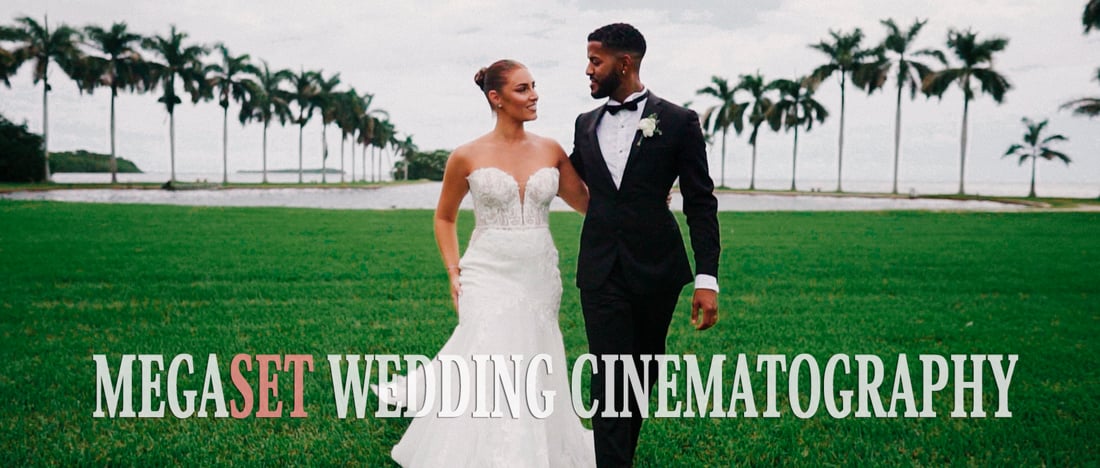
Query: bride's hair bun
{"points": [[495, 76], [479, 78]]}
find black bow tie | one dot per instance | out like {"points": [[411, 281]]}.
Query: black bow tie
{"points": [[631, 105]]}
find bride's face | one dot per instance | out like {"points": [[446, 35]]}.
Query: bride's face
{"points": [[518, 98]]}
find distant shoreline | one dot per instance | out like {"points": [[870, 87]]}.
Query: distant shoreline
{"points": [[423, 195], [291, 171]]}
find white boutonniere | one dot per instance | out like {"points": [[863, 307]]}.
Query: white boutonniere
{"points": [[648, 126]]}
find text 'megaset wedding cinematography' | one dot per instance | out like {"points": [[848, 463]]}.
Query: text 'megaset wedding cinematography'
{"points": [[496, 386]]}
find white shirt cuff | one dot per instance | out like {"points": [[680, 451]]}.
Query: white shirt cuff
{"points": [[706, 282]]}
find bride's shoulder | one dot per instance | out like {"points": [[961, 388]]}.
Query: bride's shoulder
{"points": [[468, 155], [471, 149], [461, 157], [546, 143]]}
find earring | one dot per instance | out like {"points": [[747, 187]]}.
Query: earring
{"points": [[500, 106]]}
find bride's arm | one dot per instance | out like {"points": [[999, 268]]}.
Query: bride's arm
{"points": [[446, 212], [570, 186]]}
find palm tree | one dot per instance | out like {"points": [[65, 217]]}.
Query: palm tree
{"points": [[796, 107], [8, 62], [1089, 107], [121, 66], [348, 106], [267, 100], [36, 42], [366, 132], [367, 121], [977, 65], [758, 111], [304, 95], [393, 143], [407, 148], [327, 103], [182, 62], [846, 57], [383, 134], [728, 112], [909, 72], [231, 79], [1091, 17], [1034, 148]]}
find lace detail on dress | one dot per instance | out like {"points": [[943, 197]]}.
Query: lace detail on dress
{"points": [[498, 202]]}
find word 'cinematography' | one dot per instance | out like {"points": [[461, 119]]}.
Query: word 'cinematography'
{"points": [[495, 386]]}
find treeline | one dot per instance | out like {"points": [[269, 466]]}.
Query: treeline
{"points": [[121, 60], [896, 62]]}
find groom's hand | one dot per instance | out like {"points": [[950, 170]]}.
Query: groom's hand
{"points": [[707, 300]]}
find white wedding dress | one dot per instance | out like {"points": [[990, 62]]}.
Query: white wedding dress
{"points": [[511, 291]]}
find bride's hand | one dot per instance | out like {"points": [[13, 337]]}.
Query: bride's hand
{"points": [[456, 287]]}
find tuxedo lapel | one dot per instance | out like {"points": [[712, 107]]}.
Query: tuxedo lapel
{"points": [[594, 147], [652, 107]]}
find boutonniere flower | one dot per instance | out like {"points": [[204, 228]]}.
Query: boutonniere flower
{"points": [[648, 126]]}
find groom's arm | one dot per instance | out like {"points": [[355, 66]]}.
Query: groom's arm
{"points": [[701, 210], [700, 204], [575, 156]]}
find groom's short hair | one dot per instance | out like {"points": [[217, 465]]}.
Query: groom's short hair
{"points": [[621, 37]]}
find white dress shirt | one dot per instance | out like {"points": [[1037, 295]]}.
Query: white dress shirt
{"points": [[615, 135]]}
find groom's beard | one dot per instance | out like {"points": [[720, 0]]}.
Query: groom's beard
{"points": [[606, 86]]}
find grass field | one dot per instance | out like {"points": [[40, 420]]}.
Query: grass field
{"points": [[84, 279]]}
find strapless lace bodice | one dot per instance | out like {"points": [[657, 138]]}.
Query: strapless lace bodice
{"points": [[498, 202]]}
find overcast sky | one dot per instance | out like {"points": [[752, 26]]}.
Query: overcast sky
{"points": [[419, 58]]}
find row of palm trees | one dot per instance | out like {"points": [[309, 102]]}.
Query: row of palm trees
{"points": [[790, 103], [95, 57]]}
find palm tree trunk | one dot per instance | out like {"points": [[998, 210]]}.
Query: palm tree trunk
{"points": [[364, 154], [46, 121], [172, 144], [324, 153], [724, 131], [300, 128], [1031, 194], [343, 140], [114, 162], [897, 138], [225, 145], [794, 159], [840, 141], [752, 179], [962, 147], [353, 158], [265, 153]]}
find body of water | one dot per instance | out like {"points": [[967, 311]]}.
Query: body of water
{"points": [[425, 195], [854, 186], [211, 177]]}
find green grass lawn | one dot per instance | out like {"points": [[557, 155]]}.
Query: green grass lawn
{"points": [[84, 279]]}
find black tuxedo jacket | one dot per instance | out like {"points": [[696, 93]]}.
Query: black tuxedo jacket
{"points": [[632, 224]]}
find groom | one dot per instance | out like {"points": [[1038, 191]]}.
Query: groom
{"points": [[632, 262]]}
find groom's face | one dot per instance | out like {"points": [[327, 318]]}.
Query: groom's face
{"points": [[604, 70]]}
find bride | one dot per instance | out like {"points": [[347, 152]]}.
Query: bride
{"points": [[506, 289]]}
